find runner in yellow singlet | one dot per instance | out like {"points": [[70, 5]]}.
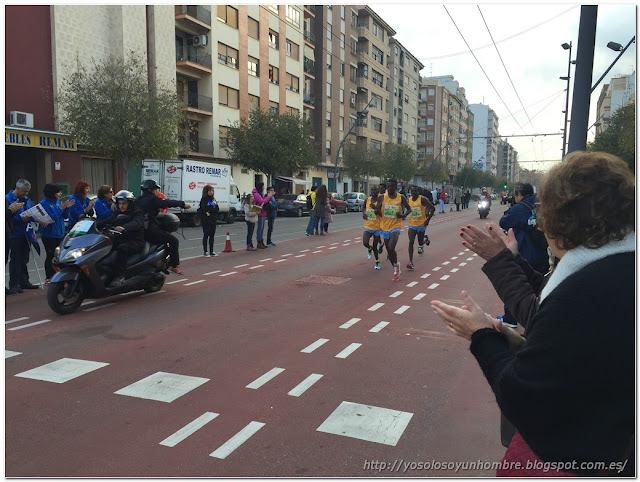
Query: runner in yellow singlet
{"points": [[371, 226], [391, 207], [421, 212]]}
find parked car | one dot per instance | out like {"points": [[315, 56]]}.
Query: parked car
{"points": [[338, 203], [293, 205], [355, 200]]}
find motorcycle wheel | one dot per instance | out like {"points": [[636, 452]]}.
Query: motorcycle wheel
{"points": [[157, 286], [64, 301]]}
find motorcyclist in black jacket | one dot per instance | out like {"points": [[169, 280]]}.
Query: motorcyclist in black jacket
{"points": [[129, 221], [151, 204]]}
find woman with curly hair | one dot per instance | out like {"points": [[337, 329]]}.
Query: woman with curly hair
{"points": [[569, 386], [83, 205]]}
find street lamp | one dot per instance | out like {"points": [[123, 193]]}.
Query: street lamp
{"points": [[616, 47], [359, 115], [566, 46]]}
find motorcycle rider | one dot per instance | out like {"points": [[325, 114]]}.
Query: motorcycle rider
{"points": [[151, 204], [129, 221], [484, 196]]}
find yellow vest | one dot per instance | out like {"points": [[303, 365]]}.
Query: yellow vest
{"points": [[390, 208], [373, 221], [418, 214]]}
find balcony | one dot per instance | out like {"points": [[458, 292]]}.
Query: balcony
{"points": [[193, 17], [311, 9], [308, 99], [195, 145], [309, 36], [197, 104], [309, 66], [193, 59]]}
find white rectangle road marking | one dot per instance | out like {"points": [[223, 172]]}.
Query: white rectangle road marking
{"points": [[256, 267], [412, 284], [348, 350], [241, 265], [462, 264], [189, 429], [426, 275], [280, 260], [315, 345], [195, 282], [304, 385], [402, 309], [238, 439], [154, 293], [300, 256], [63, 370], [445, 277], [22, 318], [318, 247], [266, 259], [87, 303], [333, 247], [349, 323], [99, 307], [445, 263], [285, 255], [181, 280], [461, 253], [454, 270], [229, 273], [376, 306], [467, 249], [433, 286], [395, 294], [437, 268], [454, 257], [9, 354], [213, 272], [304, 250], [475, 254], [419, 296], [470, 259], [379, 327], [319, 251], [335, 243], [258, 382], [162, 387]]}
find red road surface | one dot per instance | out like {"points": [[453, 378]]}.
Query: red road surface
{"points": [[233, 329]]}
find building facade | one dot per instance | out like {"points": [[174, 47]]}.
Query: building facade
{"points": [[485, 138], [507, 165], [613, 96]]}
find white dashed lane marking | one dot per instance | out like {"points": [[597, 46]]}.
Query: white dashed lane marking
{"points": [[238, 439], [437, 268], [213, 272], [376, 306], [402, 309], [9, 354], [320, 251], [470, 259], [258, 382], [445, 277], [454, 270], [256, 267], [454, 257], [154, 293], [189, 429], [348, 350], [315, 345], [285, 255], [419, 296], [195, 282], [333, 247], [350, 323], [445, 263], [379, 327], [433, 286], [266, 259], [229, 273], [426, 275], [99, 307], [461, 253], [412, 284], [395, 294], [304, 250], [462, 264], [280, 260], [181, 280], [300, 256], [241, 265], [305, 385], [16, 320]]}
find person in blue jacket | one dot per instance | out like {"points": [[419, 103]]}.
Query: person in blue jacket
{"points": [[272, 212], [53, 233], [104, 206], [83, 205], [18, 243]]}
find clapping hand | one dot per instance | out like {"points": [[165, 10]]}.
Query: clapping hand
{"points": [[15, 206], [67, 204], [490, 242], [463, 321]]}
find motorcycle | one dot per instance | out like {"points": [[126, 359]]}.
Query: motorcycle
{"points": [[483, 208], [84, 262]]}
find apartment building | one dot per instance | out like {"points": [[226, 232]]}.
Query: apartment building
{"points": [[614, 95], [507, 165], [404, 82], [434, 127], [485, 138]]}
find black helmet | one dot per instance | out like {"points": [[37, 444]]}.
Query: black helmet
{"points": [[124, 194], [149, 184]]}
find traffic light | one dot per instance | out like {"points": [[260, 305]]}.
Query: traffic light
{"points": [[505, 186]]}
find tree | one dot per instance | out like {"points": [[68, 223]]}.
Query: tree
{"points": [[357, 160], [619, 138], [271, 143], [436, 172], [112, 111], [398, 162]]}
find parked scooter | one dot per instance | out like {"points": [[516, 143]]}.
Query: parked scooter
{"points": [[84, 262], [483, 208]]}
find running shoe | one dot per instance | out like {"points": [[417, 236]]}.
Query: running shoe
{"points": [[377, 266], [213, 254], [176, 270], [380, 249], [396, 272], [420, 250], [410, 266], [427, 241], [206, 255], [369, 253]]}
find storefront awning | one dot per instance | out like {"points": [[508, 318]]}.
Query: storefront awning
{"points": [[308, 53], [21, 137], [294, 180]]}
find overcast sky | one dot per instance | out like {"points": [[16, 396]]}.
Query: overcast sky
{"points": [[529, 38]]}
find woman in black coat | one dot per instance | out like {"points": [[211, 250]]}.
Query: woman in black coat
{"points": [[208, 212], [569, 389]]}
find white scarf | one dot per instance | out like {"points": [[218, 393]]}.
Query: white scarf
{"points": [[577, 258]]}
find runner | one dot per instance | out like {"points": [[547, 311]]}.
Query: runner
{"points": [[390, 207], [418, 221], [371, 226], [382, 188]]}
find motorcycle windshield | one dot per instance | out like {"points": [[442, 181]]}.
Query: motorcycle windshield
{"points": [[81, 228]]}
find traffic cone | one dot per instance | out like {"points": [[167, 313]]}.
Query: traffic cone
{"points": [[227, 244]]}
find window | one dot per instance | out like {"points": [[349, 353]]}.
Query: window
{"points": [[352, 99], [341, 69], [354, 19], [377, 101], [376, 145], [254, 102], [293, 50], [354, 45], [363, 70], [431, 92], [405, 136], [273, 39], [329, 61], [377, 78], [273, 107], [254, 66], [228, 15], [273, 74], [397, 50], [415, 85], [293, 111], [429, 136], [327, 147], [430, 107], [228, 96], [377, 54], [413, 121], [377, 31], [227, 56], [273, 8], [328, 90], [293, 83], [376, 124], [429, 150], [342, 96], [429, 122], [406, 80], [292, 16], [253, 28], [341, 124], [352, 73], [406, 99], [328, 31], [342, 12], [328, 119], [223, 136], [342, 40]]}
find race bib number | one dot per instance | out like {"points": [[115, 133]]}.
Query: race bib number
{"points": [[416, 212], [391, 211], [371, 214]]}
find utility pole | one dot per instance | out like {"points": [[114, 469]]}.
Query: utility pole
{"points": [[582, 79]]}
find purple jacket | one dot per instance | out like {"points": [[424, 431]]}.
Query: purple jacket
{"points": [[259, 200]]}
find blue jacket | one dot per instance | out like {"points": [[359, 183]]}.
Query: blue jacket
{"points": [[517, 218], [78, 208], [18, 226], [102, 209], [274, 212], [55, 229]]}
